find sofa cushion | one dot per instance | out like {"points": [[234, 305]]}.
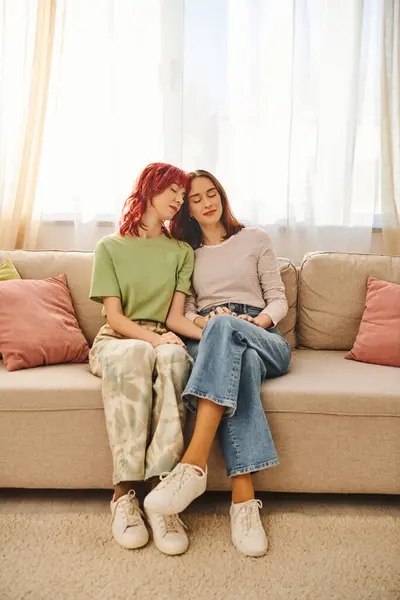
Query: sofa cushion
{"points": [[52, 387], [78, 268], [287, 327], [8, 271], [378, 339], [317, 383], [332, 291], [321, 382], [38, 324]]}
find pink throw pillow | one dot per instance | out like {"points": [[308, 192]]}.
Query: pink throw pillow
{"points": [[38, 325], [378, 338]]}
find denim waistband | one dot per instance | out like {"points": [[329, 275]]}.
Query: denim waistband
{"points": [[239, 309]]}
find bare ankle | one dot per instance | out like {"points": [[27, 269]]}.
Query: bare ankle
{"points": [[188, 460], [239, 498], [122, 488], [242, 488]]}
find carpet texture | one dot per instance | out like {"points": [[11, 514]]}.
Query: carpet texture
{"points": [[72, 556]]}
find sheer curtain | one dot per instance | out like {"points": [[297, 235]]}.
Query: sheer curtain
{"points": [[114, 105], [280, 99], [391, 126], [26, 36], [284, 106]]}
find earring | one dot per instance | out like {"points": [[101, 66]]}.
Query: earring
{"points": [[191, 218]]}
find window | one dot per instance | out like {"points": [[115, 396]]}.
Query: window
{"points": [[280, 100]]}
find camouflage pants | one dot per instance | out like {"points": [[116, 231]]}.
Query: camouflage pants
{"points": [[144, 412]]}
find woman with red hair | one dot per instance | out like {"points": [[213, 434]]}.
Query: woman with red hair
{"points": [[238, 299], [139, 273]]}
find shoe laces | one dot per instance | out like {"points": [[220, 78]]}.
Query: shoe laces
{"points": [[170, 524], [130, 509], [249, 515], [180, 476]]}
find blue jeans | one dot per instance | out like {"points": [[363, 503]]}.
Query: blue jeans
{"points": [[232, 360]]}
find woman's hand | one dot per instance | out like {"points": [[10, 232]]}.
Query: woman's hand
{"points": [[246, 318], [263, 320], [220, 310], [168, 338], [223, 310]]}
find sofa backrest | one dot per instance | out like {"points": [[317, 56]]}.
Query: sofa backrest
{"points": [[332, 291], [78, 268], [287, 327]]}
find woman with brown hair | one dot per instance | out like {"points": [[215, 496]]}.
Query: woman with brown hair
{"points": [[238, 299]]}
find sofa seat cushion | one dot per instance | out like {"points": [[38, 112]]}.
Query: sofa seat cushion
{"points": [[322, 382], [51, 387], [319, 382]]}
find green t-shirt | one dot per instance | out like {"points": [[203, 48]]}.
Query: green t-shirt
{"points": [[143, 272]]}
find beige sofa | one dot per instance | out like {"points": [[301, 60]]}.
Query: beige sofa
{"points": [[336, 423]]}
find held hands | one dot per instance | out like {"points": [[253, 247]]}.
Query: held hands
{"points": [[168, 338], [263, 321], [220, 310]]}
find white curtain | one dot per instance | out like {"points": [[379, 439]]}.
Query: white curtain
{"points": [[284, 107], [391, 127], [114, 106], [26, 44], [279, 98]]}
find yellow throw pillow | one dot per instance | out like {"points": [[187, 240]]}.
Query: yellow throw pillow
{"points": [[8, 271]]}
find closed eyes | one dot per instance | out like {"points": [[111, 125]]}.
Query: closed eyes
{"points": [[211, 193]]}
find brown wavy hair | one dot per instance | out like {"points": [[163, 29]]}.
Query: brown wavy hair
{"points": [[188, 230]]}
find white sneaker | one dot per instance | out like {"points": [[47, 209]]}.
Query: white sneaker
{"points": [[248, 534], [176, 490], [128, 527], [169, 533]]}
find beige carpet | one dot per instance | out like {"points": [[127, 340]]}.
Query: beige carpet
{"points": [[72, 556]]}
